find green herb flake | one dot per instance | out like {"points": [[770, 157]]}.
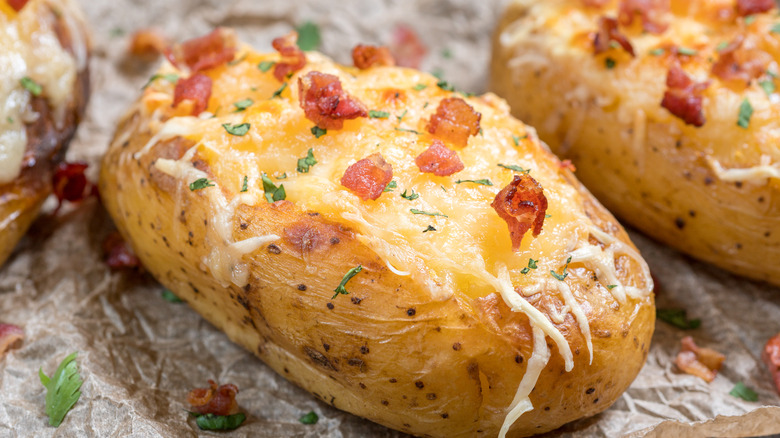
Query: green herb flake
{"points": [[517, 139], [200, 183], [308, 36], [272, 192], [430, 228], [407, 130], [419, 87], [9, 119], [750, 19], [677, 318], [609, 63], [62, 389], [310, 418], [743, 392], [563, 275], [170, 297], [245, 184], [237, 60], [318, 132], [438, 74], [282, 176], [547, 216], [427, 213], [401, 117], [657, 52], [687, 51], [484, 182], [306, 162], [340, 289], [237, 130], [279, 91], [378, 114], [30, 85], [532, 264], [411, 196], [775, 28], [721, 46], [768, 86], [745, 113], [446, 53], [219, 422], [243, 104], [611, 286], [515, 168], [444, 85], [170, 77], [264, 66], [116, 32], [390, 186]]}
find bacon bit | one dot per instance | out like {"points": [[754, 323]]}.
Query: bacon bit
{"points": [[439, 160], [324, 101], [608, 32], [700, 362], [407, 48], [683, 97], [567, 164], [293, 58], [749, 7], [118, 253], [368, 177], [454, 121], [369, 56], [196, 89], [10, 337], [148, 43], [771, 357], [522, 205], [212, 50], [741, 61], [16, 5], [218, 400], [651, 12], [595, 3], [70, 184]]}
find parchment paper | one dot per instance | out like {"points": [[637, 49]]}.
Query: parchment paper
{"points": [[139, 354]]}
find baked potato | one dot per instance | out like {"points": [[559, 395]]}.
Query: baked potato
{"points": [[44, 85], [403, 251], [667, 109]]}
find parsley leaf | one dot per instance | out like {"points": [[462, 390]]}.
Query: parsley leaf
{"points": [[201, 183], [378, 114], [484, 182], [310, 418], [687, 51], [721, 46], [219, 422], [318, 132], [306, 162], [517, 139], [308, 36], [750, 19], [411, 197], [278, 92], [340, 289], [444, 85], [427, 213], [745, 113], [407, 130], [531, 265], [237, 60], [237, 130], [170, 77], [390, 186], [245, 184], [419, 87], [775, 28], [30, 85], [514, 167], [62, 389], [170, 297], [243, 104], [677, 318], [401, 117], [743, 392], [768, 86], [562, 276], [272, 193], [611, 286], [265, 66], [657, 52], [282, 176], [430, 228], [609, 63]]}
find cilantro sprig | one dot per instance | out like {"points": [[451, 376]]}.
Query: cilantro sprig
{"points": [[341, 289], [427, 213], [310, 418], [411, 196], [562, 276], [309, 36], [532, 264], [484, 182], [62, 389], [218, 422], [237, 130], [201, 183], [677, 318], [272, 192], [742, 391], [374, 114], [514, 167], [305, 163], [745, 113], [30, 85], [170, 77]]}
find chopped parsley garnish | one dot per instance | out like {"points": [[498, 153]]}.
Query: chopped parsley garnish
{"points": [[282, 176], [531, 265], [272, 193], [687, 51], [611, 286], [116, 32], [515, 168], [237, 130], [318, 132], [200, 183], [30, 85], [743, 392], [308, 36], [657, 52], [430, 228], [721, 46], [444, 85], [390, 186], [484, 182], [306, 162], [170, 297], [219, 422], [243, 104], [446, 53], [170, 77], [62, 389], [407, 130], [517, 139], [237, 60], [340, 289], [401, 117], [768, 86], [547, 216], [9, 119], [378, 114], [411, 196], [438, 73], [775, 28], [310, 418], [419, 87], [750, 19], [278, 92], [245, 184], [677, 318], [427, 213], [745, 113], [609, 63], [562, 276], [265, 66]]}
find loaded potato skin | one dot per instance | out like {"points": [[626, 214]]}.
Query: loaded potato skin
{"points": [[440, 324], [678, 139]]}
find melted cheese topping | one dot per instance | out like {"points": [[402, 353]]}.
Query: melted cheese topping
{"points": [[756, 174], [30, 48]]}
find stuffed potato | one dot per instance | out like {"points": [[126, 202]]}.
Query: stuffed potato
{"points": [[668, 110], [403, 251], [43, 91]]}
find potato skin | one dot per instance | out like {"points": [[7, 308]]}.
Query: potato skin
{"points": [[388, 351], [646, 166]]}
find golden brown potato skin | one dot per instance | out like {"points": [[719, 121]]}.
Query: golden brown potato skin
{"points": [[647, 166], [387, 351]]}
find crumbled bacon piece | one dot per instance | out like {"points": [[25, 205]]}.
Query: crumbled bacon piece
{"points": [[741, 61], [369, 56], [567, 164], [69, 183], [454, 121], [522, 205], [439, 160], [608, 32], [293, 58], [697, 361], [651, 11], [771, 357], [16, 5], [749, 7], [324, 101], [202, 53], [218, 400], [368, 177], [10, 336], [407, 48], [196, 89], [595, 3], [118, 253], [683, 96], [148, 43]]}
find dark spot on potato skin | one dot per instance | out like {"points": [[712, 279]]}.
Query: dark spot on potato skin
{"points": [[301, 287], [430, 396], [385, 403], [362, 385], [364, 349], [326, 346], [273, 249], [456, 346], [419, 384], [411, 311], [679, 223], [243, 300], [518, 358], [590, 390], [319, 358], [393, 380], [330, 306], [357, 362], [244, 226], [356, 300], [445, 415]]}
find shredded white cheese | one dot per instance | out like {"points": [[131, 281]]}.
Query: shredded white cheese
{"points": [[756, 174]]}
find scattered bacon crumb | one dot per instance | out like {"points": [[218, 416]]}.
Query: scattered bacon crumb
{"points": [[202, 53], [595, 3], [293, 58], [741, 61], [454, 121], [651, 11], [748, 7], [10, 336], [370, 56], [218, 400], [148, 43], [16, 5], [771, 357], [69, 183], [567, 164], [697, 361], [324, 101], [407, 48], [196, 89], [439, 160], [522, 205], [608, 32], [683, 96], [368, 177], [118, 253]]}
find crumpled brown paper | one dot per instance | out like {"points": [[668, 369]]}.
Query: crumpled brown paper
{"points": [[139, 354]]}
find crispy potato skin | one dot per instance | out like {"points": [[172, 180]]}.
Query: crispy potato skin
{"points": [[388, 351], [648, 167]]}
